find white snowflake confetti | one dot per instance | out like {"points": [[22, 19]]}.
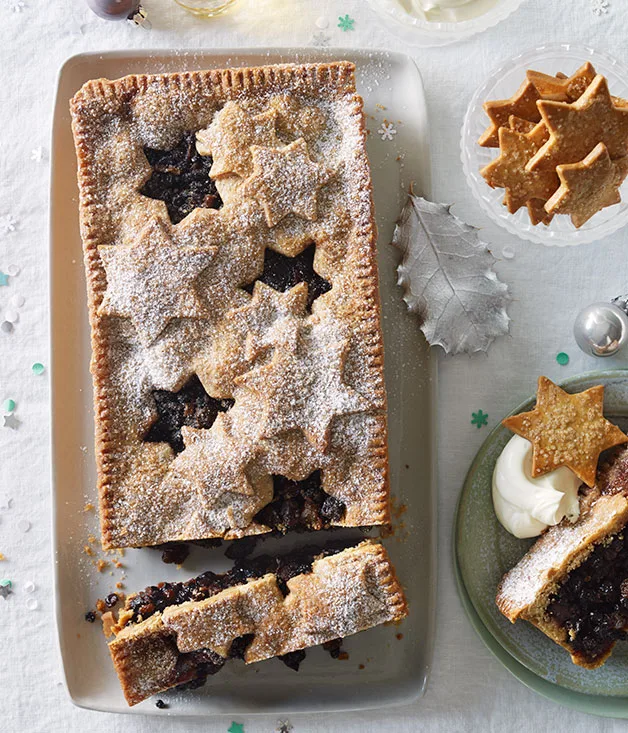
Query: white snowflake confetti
{"points": [[387, 130], [17, 6], [8, 224], [320, 39], [37, 154], [599, 7], [284, 726]]}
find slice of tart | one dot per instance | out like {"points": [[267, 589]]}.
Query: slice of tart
{"points": [[573, 582], [180, 633]]}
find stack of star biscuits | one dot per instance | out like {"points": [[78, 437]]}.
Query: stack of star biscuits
{"points": [[563, 145]]}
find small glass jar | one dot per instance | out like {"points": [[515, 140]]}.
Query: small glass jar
{"points": [[205, 8]]}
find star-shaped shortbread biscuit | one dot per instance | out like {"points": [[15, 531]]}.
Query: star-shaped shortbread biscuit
{"points": [[588, 186], [508, 170], [522, 104], [152, 280], [216, 470], [566, 430], [230, 136], [563, 88], [575, 129], [285, 180], [305, 388]]}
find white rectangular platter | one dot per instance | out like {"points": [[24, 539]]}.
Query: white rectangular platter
{"points": [[387, 665]]}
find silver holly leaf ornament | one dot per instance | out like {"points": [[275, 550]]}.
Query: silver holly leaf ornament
{"points": [[447, 275]]}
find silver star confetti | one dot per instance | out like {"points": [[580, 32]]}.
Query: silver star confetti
{"points": [[5, 590], [10, 421], [284, 726]]}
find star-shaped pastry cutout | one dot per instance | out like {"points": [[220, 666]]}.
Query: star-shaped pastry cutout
{"points": [[304, 389], [566, 430], [521, 104], [191, 405], [508, 170], [269, 320], [230, 136], [575, 129], [152, 280], [272, 318], [216, 468], [282, 272], [10, 421], [588, 186], [285, 181], [562, 88]]}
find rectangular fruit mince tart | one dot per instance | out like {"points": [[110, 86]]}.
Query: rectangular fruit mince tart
{"points": [[229, 245], [180, 633]]}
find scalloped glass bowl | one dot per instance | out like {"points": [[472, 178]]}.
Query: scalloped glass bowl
{"points": [[477, 17], [502, 83]]}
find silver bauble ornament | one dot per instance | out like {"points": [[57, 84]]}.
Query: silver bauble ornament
{"points": [[601, 329], [114, 9]]}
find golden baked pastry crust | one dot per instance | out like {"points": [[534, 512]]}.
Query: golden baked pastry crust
{"points": [[343, 594], [152, 330]]}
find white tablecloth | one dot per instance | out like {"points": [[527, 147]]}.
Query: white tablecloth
{"points": [[468, 689]]}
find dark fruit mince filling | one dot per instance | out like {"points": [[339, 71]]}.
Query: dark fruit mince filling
{"points": [[300, 505], [296, 505], [190, 406], [180, 179], [592, 603], [193, 668], [282, 273]]}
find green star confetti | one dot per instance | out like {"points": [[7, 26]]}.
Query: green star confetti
{"points": [[8, 406], [4, 279], [236, 728], [479, 418], [345, 23], [38, 368], [562, 358]]}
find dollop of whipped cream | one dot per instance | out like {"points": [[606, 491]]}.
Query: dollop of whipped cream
{"points": [[527, 506]]}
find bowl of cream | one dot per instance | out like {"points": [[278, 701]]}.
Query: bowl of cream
{"points": [[439, 22], [527, 506]]}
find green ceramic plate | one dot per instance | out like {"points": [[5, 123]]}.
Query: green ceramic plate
{"points": [[484, 551]]}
